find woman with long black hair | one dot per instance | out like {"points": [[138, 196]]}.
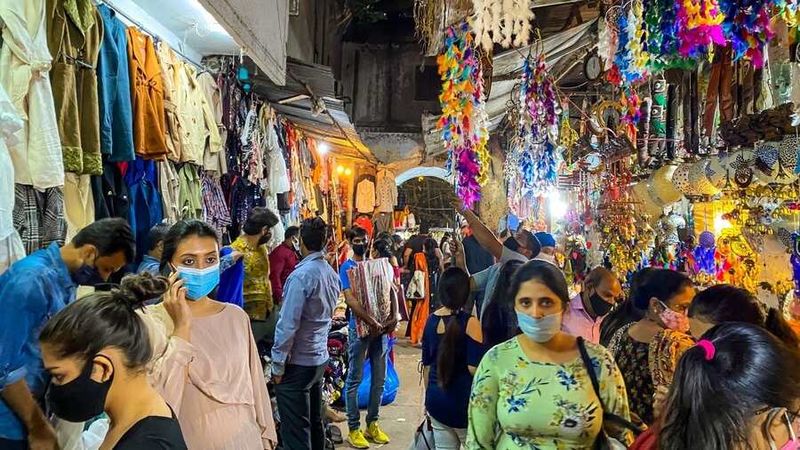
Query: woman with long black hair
{"points": [[738, 388], [451, 350], [647, 351]]}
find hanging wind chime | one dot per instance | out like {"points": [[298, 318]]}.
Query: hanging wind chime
{"points": [[532, 164]]}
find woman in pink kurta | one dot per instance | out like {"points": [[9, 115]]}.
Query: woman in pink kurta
{"points": [[206, 363]]}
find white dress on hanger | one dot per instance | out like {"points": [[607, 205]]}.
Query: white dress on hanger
{"points": [[11, 248], [25, 60]]}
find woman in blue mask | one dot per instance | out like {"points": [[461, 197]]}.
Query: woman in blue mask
{"points": [[534, 390], [206, 364]]}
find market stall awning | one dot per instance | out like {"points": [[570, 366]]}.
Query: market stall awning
{"points": [[561, 51], [261, 27], [308, 99]]}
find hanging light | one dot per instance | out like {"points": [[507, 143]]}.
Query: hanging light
{"points": [[322, 148], [339, 170], [348, 171]]}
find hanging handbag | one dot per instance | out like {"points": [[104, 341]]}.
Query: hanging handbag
{"points": [[611, 422], [423, 437]]}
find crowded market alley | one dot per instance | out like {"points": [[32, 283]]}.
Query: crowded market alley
{"points": [[399, 224]]}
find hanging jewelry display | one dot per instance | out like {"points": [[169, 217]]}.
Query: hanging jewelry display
{"points": [[463, 120]]}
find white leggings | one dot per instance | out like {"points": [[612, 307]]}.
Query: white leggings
{"points": [[447, 438]]}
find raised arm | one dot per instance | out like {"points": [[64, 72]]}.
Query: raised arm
{"points": [[482, 233]]}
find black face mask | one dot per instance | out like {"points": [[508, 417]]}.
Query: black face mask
{"points": [[511, 244], [600, 306], [81, 399], [359, 249], [87, 276]]}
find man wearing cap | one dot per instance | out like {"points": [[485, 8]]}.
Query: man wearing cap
{"points": [[601, 291], [548, 243]]}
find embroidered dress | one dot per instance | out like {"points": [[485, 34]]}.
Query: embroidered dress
{"points": [[517, 403]]}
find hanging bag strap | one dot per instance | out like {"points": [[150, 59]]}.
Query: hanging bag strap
{"points": [[608, 418]]}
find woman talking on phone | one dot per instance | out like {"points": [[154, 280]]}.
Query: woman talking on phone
{"points": [[206, 364]]}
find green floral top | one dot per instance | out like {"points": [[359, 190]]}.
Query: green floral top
{"points": [[517, 403]]}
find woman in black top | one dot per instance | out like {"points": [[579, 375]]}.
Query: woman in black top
{"points": [[96, 350]]}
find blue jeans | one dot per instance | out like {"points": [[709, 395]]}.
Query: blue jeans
{"points": [[377, 349]]}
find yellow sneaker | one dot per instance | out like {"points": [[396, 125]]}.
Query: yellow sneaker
{"points": [[357, 440], [377, 435]]}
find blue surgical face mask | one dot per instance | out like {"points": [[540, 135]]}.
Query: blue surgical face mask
{"points": [[539, 330], [199, 282]]}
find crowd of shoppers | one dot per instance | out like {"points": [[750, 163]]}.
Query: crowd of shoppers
{"points": [[171, 363]]}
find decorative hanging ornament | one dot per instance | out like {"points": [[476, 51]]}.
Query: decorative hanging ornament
{"points": [[536, 149], [463, 123], [503, 22]]}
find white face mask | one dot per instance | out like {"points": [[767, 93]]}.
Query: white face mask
{"points": [[540, 330]]}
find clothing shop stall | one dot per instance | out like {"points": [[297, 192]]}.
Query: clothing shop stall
{"points": [[130, 118]]}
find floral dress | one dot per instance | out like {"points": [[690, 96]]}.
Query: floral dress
{"points": [[647, 366], [517, 403]]}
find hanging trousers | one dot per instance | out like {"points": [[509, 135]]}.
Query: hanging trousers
{"points": [[719, 89]]}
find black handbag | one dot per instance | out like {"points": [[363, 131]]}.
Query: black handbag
{"points": [[610, 420]]}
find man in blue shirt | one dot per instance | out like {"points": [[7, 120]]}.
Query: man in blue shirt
{"points": [[300, 353], [151, 262], [375, 347], [32, 290]]}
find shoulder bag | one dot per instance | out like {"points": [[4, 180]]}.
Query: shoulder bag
{"points": [[611, 422]]}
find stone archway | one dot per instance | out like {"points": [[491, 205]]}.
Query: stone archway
{"points": [[416, 172]]}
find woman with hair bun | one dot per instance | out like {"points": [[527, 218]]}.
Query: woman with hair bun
{"points": [[96, 350]]}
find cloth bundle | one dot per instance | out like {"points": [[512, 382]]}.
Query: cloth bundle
{"points": [[371, 282]]}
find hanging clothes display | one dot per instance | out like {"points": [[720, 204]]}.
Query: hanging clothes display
{"points": [[75, 33], [146, 210], [147, 92], [214, 158], [215, 211], [170, 190], [78, 203], [110, 193], [39, 216], [365, 196], [11, 248], [113, 82], [26, 61], [170, 66], [190, 202], [387, 191], [198, 125]]}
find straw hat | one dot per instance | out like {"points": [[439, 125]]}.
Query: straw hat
{"points": [[661, 187]]}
